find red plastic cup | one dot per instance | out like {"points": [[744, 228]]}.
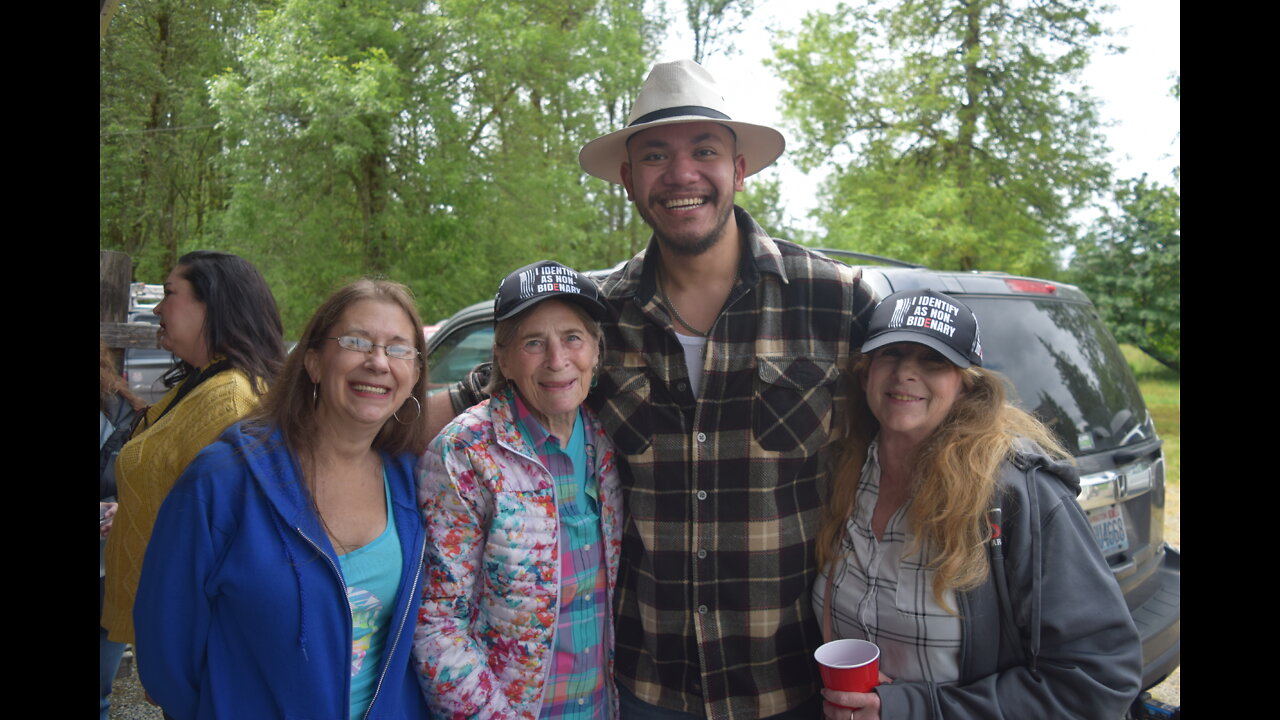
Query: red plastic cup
{"points": [[849, 665]]}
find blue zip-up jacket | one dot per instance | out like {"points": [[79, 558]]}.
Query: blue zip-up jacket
{"points": [[242, 610]]}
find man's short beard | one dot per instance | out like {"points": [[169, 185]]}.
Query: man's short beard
{"points": [[699, 246], [690, 250]]}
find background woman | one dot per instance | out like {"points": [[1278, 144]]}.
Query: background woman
{"points": [[522, 506], [117, 408], [1031, 625], [220, 319], [285, 567]]}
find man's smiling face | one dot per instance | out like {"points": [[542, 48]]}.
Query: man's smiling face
{"points": [[682, 178]]}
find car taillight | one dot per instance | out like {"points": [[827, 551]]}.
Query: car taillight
{"points": [[1030, 286]]}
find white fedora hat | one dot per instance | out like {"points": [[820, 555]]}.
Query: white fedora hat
{"points": [[679, 92]]}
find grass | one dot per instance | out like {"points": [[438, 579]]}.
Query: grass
{"points": [[1162, 391]]}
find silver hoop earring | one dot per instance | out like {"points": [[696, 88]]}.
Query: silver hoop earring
{"points": [[419, 416], [315, 394]]}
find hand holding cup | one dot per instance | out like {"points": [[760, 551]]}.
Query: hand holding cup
{"points": [[842, 705]]}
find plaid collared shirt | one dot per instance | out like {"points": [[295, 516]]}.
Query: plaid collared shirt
{"points": [[722, 492], [884, 594], [575, 687]]}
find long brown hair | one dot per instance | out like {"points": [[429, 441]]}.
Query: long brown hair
{"points": [[288, 405], [953, 476]]}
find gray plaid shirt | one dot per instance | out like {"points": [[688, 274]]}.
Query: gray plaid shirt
{"points": [[883, 594], [722, 492]]}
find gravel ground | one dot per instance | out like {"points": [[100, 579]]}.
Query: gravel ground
{"points": [[127, 699], [128, 703]]}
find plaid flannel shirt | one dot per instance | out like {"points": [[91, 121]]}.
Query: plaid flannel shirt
{"points": [[722, 493], [575, 687]]}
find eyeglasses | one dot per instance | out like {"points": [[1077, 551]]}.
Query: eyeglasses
{"points": [[359, 344]]}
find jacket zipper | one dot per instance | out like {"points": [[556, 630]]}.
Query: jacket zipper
{"points": [[342, 583], [555, 628], [422, 554]]}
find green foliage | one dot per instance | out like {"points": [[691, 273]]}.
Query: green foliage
{"points": [[1145, 367], [713, 22], [762, 198], [160, 180], [1130, 264], [952, 129], [1162, 392], [436, 147], [434, 143]]}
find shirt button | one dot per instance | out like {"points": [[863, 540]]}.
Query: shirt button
{"points": [[587, 547], [702, 437], [702, 554], [681, 386], [702, 494], [702, 609]]}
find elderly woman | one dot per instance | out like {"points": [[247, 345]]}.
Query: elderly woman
{"points": [[285, 567], [954, 542], [522, 507], [219, 319]]}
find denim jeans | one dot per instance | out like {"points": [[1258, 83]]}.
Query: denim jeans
{"points": [[633, 708], [109, 654]]}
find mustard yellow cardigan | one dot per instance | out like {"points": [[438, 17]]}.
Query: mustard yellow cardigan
{"points": [[147, 468]]}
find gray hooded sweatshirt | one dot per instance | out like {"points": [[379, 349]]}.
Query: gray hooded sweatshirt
{"points": [[1073, 650]]}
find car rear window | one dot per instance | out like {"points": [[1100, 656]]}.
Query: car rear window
{"points": [[1066, 369]]}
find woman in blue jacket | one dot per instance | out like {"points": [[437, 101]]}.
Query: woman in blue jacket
{"points": [[283, 573]]}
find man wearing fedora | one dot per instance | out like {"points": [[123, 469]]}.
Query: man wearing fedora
{"points": [[723, 352]]}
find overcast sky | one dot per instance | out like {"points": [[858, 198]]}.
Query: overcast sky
{"points": [[1133, 87]]}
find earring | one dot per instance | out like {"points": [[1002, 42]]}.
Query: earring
{"points": [[595, 376], [419, 416], [315, 394]]}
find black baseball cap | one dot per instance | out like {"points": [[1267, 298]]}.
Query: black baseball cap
{"points": [[928, 318], [544, 280]]}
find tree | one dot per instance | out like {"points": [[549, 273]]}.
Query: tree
{"points": [[437, 146], [954, 129], [1130, 264], [713, 22], [160, 180], [434, 143], [762, 198]]}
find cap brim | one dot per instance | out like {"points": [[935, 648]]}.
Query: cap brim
{"points": [[911, 336], [594, 308], [759, 144]]}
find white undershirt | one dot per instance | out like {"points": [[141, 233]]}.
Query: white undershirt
{"points": [[694, 347]]}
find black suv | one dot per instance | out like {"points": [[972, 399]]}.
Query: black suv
{"points": [[1066, 368]]}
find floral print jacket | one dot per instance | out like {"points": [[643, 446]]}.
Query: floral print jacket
{"points": [[485, 638]]}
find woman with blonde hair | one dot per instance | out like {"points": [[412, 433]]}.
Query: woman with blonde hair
{"points": [[954, 542]]}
